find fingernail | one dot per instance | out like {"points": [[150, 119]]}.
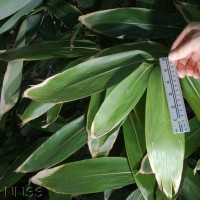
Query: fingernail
{"points": [[181, 74]]}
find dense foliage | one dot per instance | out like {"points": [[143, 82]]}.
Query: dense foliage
{"points": [[83, 112]]}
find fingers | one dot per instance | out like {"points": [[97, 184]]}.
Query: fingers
{"points": [[191, 63], [181, 67], [196, 74], [189, 66], [187, 42], [185, 49]]}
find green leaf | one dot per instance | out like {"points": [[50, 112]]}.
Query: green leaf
{"points": [[53, 113], [197, 168], [146, 183], [139, 110], [125, 95], [193, 137], [87, 78], [135, 147], [86, 176], [190, 188], [100, 146], [58, 147], [58, 196], [17, 16], [124, 23], [145, 167], [34, 110], [33, 25], [161, 196], [65, 12], [135, 195], [153, 48], [39, 124], [134, 138], [165, 149], [12, 78], [47, 50], [10, 177], [190, 12], [191, 91], [7, 8]]}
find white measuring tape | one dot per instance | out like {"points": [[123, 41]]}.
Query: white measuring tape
{"points": [[174, 95]]}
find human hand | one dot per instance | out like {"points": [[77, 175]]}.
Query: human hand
{"points": [[185, 51]]}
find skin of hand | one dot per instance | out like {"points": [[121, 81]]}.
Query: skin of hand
{"points": [[185, 51]]}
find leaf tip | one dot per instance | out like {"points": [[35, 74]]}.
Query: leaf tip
{"points": [[37, 179], [25, 95]]}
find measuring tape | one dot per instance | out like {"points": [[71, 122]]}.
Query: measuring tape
{"points": [[174, 95]]}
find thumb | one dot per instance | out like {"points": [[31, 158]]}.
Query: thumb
{"points": [[182, 51]]}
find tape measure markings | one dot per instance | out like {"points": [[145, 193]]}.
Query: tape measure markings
{"points": [[174, 96]]}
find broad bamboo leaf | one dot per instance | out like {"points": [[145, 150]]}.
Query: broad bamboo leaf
{"points": [[33, 25], [197, 168], [65, 12], [190, 12], [34, 110], [134, 138], [58, 147], [102, 146], [12, 78], [86, 176], [153, 48], [87, 78], [135, 147], [7, 8], [165, 149], [161, 196], [58, 196], [124, 23], [139, 110], [193, 137], [121, 101], [39, 124], [17, 16], [53, 113], [47, 50], [10, 177], [190, 188], [146, 184], [135, 195], [191, 91], [95, 102], [99, 146]]}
